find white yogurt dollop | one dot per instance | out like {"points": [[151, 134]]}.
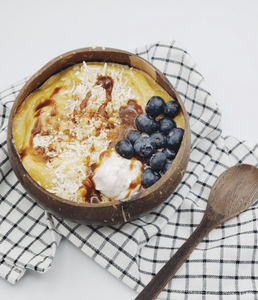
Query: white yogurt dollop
{"points": [[117, 177]]}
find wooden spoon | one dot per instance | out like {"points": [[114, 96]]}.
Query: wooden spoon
{"points": [[233, 192]]}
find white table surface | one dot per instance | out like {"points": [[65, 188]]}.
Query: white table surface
{"points": [[221, 36]]}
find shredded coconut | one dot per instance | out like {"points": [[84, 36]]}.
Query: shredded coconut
{"points": [[82, 133]]}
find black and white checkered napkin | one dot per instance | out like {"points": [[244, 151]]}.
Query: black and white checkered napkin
{"points": [[223, 266]]}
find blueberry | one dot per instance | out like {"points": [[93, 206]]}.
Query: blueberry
{"points": [[149, 177], [174, 138], [133, 136], [167, 166], [166, 125], [172, 109], [125, 149], [155, 106], [159, 139], [144, 147], [147, 124], [170, 154], [158, 161]]}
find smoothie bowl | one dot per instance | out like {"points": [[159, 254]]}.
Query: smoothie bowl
{"points": [[99, 136]]}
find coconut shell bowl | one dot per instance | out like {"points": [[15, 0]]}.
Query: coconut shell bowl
{"points": [[112, 212]]}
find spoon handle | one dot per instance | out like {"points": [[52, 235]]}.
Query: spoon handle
{"points": [[154, 287]]}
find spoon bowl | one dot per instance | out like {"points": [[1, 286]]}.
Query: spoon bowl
{"points": [[233, 192], [238, 186]]}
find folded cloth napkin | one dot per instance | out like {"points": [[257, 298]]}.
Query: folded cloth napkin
{"points": [[223, 266]]}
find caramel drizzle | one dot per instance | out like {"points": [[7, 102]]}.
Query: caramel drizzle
{"points": [[107, 83]]}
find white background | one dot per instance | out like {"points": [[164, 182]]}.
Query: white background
{"points": [[220, 35]]}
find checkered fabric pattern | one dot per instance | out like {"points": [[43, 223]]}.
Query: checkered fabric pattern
{"points": [[223, 266]]}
